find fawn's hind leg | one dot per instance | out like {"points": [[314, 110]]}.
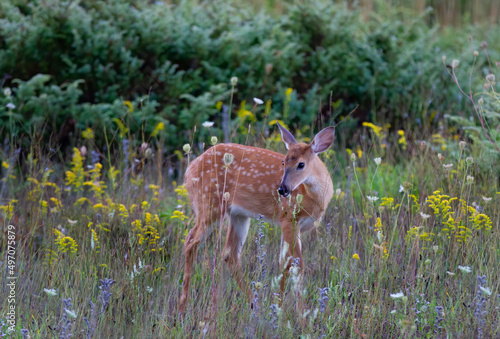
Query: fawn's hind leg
{"points": [[235, 239]]}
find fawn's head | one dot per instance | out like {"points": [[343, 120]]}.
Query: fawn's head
{"points": [[299, 160]]}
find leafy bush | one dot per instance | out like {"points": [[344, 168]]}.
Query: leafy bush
{"points": [[174, 64]]}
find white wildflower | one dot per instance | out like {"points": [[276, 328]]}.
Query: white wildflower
{"points": [[258, 101], [7, 92], [450, 273], [377, 161], [50, 291], [380, 237], [397, 296], [72, 314], [425, 216], [465, 269], [447, 166], [10, 105], [372, 199], [208, 124], [486, 199], [485, 290]]}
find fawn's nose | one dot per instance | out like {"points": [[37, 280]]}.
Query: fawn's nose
{"points": [[283, 190]]}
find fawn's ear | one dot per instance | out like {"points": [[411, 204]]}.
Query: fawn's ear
{"points": [[323, 140], [286, 136]]}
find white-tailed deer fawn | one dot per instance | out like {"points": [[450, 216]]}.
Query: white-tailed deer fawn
{"points": [[253, 181]]}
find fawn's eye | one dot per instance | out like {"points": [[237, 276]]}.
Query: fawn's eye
{"points": [[301, 165], [283, 162]]}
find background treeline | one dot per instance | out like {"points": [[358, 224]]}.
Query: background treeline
{"points": [[73, 65]]}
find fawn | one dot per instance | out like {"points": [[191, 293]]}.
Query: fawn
{"points": [[291, 190]]}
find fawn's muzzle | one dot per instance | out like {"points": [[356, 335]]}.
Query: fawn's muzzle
{"points": [[283, 190]]}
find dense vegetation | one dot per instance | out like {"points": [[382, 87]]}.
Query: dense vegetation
{"points": [[103, 105], [76, 65]]}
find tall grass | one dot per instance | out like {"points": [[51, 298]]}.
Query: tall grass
{"points": [[408, 247]]}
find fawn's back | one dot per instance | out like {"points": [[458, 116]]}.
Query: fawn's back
{"points": [[250, 181]]}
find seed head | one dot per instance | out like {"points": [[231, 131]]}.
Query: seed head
{"points": [[258, 286], [377, 161], [83, 151], [455, 63], [487, 86], [7, 92], [228, 159], [469, 160], [476, 53], [470, 179], [353, 157], [186, 148], [226, 196], [423, 145], [234, 81], [440, 157], [484, 44], [407, 186], [480, 102], [491, 79], [213, 141], [462, 145]]}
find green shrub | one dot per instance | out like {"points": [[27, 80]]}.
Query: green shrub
{"points": [[174, 63]]}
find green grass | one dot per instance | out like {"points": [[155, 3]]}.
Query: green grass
{"points": [[146, 260]]}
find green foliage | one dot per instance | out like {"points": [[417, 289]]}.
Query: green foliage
{"points": [[175, 62]]}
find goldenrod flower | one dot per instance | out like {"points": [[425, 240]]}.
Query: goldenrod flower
{"points": [[376, 129], [88, 134], [402, 138], [159, 127], [355, 256], [178, 215], [129, 106]]}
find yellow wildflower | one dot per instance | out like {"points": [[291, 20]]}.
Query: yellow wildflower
{"points": [[376, 129], [88, 134]]}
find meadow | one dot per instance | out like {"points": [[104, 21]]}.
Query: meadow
{"points": [[95, 215]]}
